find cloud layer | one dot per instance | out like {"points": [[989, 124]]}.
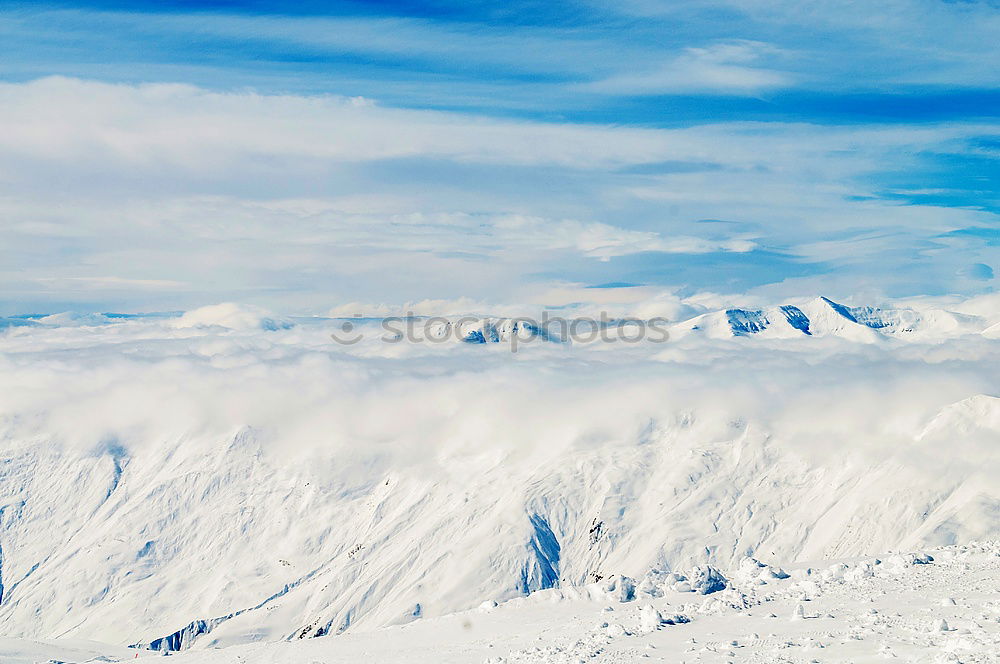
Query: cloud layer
{"points": [[167, 196]]}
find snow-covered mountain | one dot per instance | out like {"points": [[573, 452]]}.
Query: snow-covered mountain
{"points": [[188, 482], [816, 317], [930, 605], [824, 317]]}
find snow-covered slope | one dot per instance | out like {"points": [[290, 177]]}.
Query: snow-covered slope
{"points": [[224, 481], [935, 605]]}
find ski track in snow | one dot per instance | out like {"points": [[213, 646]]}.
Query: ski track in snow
{"points": [[228, 477]]}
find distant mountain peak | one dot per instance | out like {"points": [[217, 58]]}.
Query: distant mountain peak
{"points": [[823, 316]]}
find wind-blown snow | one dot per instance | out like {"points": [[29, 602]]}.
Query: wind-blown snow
{"points": [[208, 480]]}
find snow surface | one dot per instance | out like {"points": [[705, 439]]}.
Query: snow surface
{"points": [[227, 476], [937, 605]]}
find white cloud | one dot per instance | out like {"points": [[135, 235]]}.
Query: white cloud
{"points": [[914, 42], [107, 283], [602, 240], [724, 68], [169, 130], [161, 127]]}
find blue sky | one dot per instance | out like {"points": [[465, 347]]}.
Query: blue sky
{"points": [[168, 155]]}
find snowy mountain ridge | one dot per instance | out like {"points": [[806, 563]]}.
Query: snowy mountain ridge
{"points": [[819, 316], [824, 317]]}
